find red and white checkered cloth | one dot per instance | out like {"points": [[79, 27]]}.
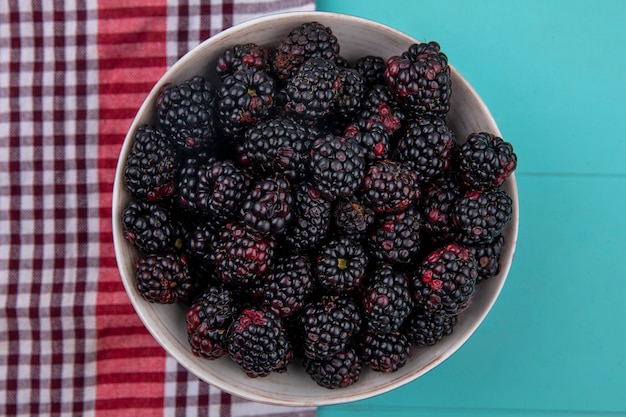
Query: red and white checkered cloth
{"points": [[72, 75]]}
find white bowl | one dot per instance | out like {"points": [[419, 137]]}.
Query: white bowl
{"points": [[166, 323]]}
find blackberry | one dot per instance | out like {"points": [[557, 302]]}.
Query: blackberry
{"points": [[485, 161], [189, 178], [286, 289], [426, 146], [389, 186], [384, 352], [341, 265], [353, 218], [248, 56], [438, 205], [337, 166], [420, 79], [387, 300], [278, 145], [208, 319], [151, 165], [480, 216], [267, 207], [380, 105], [164, 278], [329, 325], [187, 112], [424, 328], [395, 237], [304, 42], [312, 92], [372, 136], [350, 94], [371, 67], [150, 227], [339, 371], [258, 343], [488, 258], [311, 217], [241, 256], [445, 279], [245, 98]]}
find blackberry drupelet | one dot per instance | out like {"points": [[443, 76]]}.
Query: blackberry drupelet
{"points": [[353, 218], [389, 186], [164, 278], [384, 352], [258, 343], [488, 258], [445, 280], [387, 300], [247, 56], [380, 105], [438, 204], [311, 217], [371, 67], [150, 227], [267, 207], [395, 237], [341, 265], [424, 328], [480, 216], [372, 136], [350, 94], [339, 371], [187, 113]]}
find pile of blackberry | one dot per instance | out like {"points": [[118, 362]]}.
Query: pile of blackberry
{"points": [[311, 211]]}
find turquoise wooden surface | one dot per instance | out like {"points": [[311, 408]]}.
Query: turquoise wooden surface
{"points": [[553, 73]]}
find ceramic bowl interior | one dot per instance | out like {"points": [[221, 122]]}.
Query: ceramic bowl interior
{"points": [[166, 323]]}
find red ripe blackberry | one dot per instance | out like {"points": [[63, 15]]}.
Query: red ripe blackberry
{"points": [[445, 279], [304, 42], [258, 343], [350, 94], [329, 325], [150, 227], [395, 237], [389, 186], [380, 105], [420, 79], [248, 56], [485, 161], [426, 145], [337, 166], [341, 265], [267, 207], [241, 256], [208, 319], [312, 92], [187, 112], [164, 278], [286, 289], [438, 205], [384, 352], [339, 371], [371, 67], [488, 258], [353, 218], [311, 217], [245, 98], [424, 328], [372, 136], [151, 165], [480, 216], [387, 300]]}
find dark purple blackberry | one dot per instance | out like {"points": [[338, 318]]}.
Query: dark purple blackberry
{"points": [[488, 258], [480, 216], [395, 237], [187, 112], [371, 67], [286, 289], [420, 79], [245, 98], [339, 371], [426, 145], [424, 328], [248, 56], [278, 145], [438, 204], [379, 105], [445, 279], [341, 265], [372, 136], [387, 300], [384, 352], [151, 165], [241, 256], [208, 319], [309, 40], [311, 217], [388, 186], [150, 227], [258, 343], [485, 161], [353, 218], [337, 166], [312, 92], [350, 94], [329, 325], [164, 278], [267, 207]]}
